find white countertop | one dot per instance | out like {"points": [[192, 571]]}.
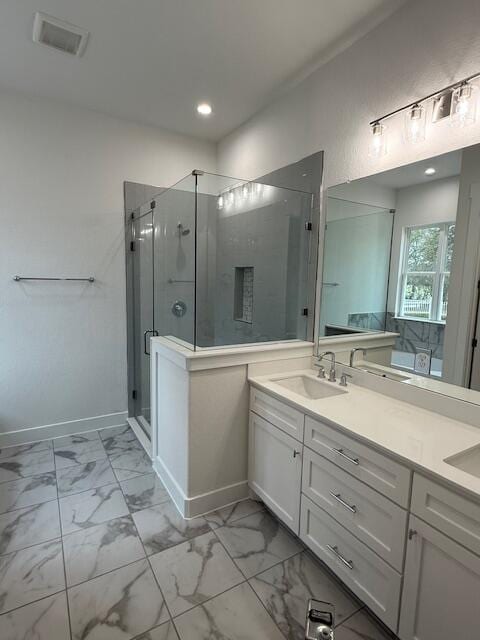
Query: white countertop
{"points": [[422, 439]]}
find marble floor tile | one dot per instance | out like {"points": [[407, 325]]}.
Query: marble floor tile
{"points": [[28, 526], [162, 526], [165, 631], [96, 550], [89, 508], [130, 464], [233, 512], [84, 476], [46, 619], [79, 454], [26, 464], [77, 439], [119, 439], [18, 449], [257, 542], [119, 605], [195, 571], [236, 614], [123, 432], [144, 491], [286, 588], [361, 627], [31, 574], [28, 491]]}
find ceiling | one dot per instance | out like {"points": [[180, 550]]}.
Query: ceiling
{"points": [[152, 61], [445, 165]]}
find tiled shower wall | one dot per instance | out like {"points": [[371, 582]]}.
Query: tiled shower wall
{"points": [[417, 334], [414, 334]]}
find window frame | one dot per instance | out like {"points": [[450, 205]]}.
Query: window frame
{"points": [[438, 276]]}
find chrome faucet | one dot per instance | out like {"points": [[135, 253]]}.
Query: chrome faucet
{"points": [[353, 352], [331, 375]]}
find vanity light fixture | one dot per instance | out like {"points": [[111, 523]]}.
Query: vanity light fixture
{"points": [[415, 123], [220, 202], [378, 144], [457, 101], [430, 171], [204, 109], [464, 105]]}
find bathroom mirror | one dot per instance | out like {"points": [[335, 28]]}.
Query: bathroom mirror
{"points": [[401, 269]]}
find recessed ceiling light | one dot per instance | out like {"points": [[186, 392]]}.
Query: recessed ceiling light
{"points": [[430, 171], [204, 108]]}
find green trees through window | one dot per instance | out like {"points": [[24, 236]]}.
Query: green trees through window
{"points": [[425, 274]]}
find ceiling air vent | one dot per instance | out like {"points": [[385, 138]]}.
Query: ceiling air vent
{"points": [[60, 35]]}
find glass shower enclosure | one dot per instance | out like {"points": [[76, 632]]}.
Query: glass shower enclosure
{"points": [[214, 262], [356, 266]]}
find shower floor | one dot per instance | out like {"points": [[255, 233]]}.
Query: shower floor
{"points": [[92, 548]]}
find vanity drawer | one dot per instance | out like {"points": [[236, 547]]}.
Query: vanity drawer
{"points": [[374, 519], [367, 575], [277, 413], [448, 511], [380, 472]]}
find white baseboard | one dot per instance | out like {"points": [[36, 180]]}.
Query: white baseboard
{"points": [[203, 503], [213, 500], [170, 483], [48, 431]]}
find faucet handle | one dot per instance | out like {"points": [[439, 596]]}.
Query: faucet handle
{"points": [[331, 374], [343, 379]]}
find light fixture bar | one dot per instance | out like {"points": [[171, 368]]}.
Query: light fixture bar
{"points": [[454, 85]]}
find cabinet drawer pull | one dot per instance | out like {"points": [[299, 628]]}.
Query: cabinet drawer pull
{"points": [[344, 455], [334, 550], [296, 453], [411, 533], [338, 498]]}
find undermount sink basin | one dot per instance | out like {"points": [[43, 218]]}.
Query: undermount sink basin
{"points": [[309, 387], [468, 461]]}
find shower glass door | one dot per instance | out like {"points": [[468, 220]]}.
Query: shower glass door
{"points": [[143, 312]]}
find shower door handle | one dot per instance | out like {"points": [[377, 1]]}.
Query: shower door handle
{"points": [[154, 332]]}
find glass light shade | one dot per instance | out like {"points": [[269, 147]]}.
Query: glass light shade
{"points": [[415, 124], [220, 202], [245, 192], [464, 106], [378, 144]]}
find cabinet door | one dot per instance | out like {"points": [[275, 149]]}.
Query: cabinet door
{"points": [[441, 589], [275, 469]]}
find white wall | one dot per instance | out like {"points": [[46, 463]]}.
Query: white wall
{"points": [[420, 204], [421, 48], [63, 346]]}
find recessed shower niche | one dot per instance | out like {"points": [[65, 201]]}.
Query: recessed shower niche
{"points": [[243, 294]]}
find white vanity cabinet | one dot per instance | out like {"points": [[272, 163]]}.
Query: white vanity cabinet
{"points": [[410, 550], [441, 589], [275, 469]]}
